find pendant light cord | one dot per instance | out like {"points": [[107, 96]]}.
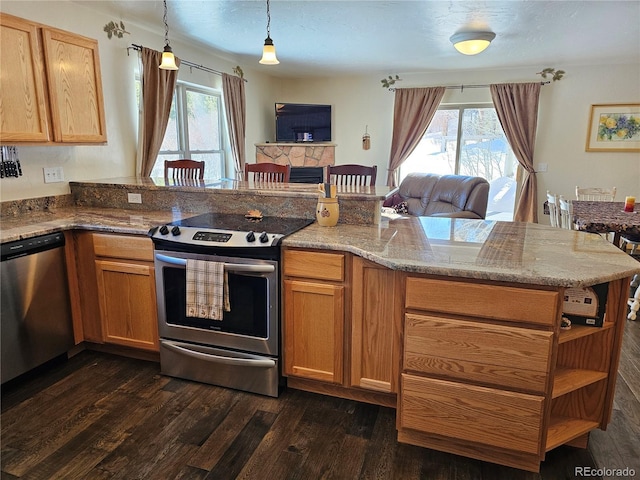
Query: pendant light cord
{"points": [[166, 25], [268, 20]]}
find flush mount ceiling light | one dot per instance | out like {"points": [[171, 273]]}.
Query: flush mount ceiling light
{"points": [[269, 49], [168, 60], [472, 43]]}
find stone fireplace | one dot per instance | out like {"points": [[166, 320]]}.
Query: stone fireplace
{"points": [[296, 155]]}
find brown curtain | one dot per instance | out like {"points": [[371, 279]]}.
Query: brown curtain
{"points": [[413, 110], [157, 94], [517, 108], [235, 110]]}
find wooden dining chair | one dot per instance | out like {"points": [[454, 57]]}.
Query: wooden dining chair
{"points": [[552, 201], [267, 172], [352, 174], [183, 169], [596, 194]]}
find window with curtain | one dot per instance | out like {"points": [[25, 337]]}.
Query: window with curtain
{"points": [[468, 140], [195, 130]]}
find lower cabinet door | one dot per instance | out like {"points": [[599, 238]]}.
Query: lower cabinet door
{"points": [[375, 336], [313, 330], [128, 304], [476, 414]]}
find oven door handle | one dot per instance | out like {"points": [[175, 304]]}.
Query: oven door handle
{"points": [[247, 362], [230, 267]]}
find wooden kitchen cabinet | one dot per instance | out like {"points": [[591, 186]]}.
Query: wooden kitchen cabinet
{"points": [[314, 321], [53, 93], [23, 99], [126, 290], [115, 291], [314, 305], [487, 372], [342, 322], [376, 313]]}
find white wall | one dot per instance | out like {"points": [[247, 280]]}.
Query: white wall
{"points": [[358, 102], [117, 158]]}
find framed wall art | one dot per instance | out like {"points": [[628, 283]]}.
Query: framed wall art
{"points": [[614, 128]]}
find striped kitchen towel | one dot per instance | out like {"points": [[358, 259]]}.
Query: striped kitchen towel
{"points": [[207, 290]]}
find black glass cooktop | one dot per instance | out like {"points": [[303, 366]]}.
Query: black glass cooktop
{"points": [[239, 223]]}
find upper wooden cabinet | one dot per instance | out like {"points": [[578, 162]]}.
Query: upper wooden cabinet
{"points": [[50, 87], [23, 99]]}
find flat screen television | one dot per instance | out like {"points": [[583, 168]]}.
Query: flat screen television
{"points": [[297, 122]]}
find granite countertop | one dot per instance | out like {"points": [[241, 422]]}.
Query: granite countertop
{"points": [[115, 220], [516, 252], [479, 249]]}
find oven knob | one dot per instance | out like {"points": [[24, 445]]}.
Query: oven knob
{"points": [[264, 238], [251, 237], [175, 231], [164, 230]]}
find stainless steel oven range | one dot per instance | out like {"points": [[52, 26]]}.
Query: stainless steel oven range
{"points": [[242, 350]]}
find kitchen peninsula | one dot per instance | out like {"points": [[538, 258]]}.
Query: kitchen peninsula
{"points": [[454, 322]]}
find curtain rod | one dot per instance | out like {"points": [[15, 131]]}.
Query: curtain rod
{"points": [[462, 87], [185, 62]]}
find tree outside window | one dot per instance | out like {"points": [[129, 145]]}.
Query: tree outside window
{"points": [[195, 130]]}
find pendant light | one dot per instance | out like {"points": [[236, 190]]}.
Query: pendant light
{"points": [[472, 43], [269, 49], [168, 60]]}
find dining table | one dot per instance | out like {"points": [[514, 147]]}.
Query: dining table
{"points": [[606, 217]]}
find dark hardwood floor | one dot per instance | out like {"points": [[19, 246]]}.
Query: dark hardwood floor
{"points": [[101, 416]]}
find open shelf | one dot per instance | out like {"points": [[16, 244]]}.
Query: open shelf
{"points": [[578, 331], [569, 379], [563, 429]]}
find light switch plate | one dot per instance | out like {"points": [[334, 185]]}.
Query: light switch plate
{"points": [[543, 167]]}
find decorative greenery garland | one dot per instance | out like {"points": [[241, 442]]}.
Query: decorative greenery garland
{"points": [[112, 28], [555, 74]]}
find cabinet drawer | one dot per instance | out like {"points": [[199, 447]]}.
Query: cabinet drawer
{"points": [[320, 265], [123, 246], [496, 354], [476, 414], [478, 300]]}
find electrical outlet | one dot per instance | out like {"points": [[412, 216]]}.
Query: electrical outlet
{"points": [[134, 197], [53, 174]]}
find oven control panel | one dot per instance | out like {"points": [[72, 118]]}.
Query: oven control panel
{"points": [[214, 237]]}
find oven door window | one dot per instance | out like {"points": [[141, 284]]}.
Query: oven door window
{"points": [[248, 297]]}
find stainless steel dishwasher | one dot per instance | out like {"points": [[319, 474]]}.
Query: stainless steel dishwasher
{"points": [[36, 321]]}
